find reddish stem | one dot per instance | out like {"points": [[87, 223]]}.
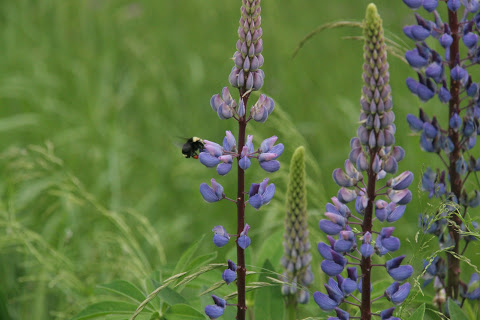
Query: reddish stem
{"points": [[366, 264], [455, 179], [241, 269]]}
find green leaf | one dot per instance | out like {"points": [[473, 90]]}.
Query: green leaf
{"points": [[202, 260], [455, 311], [419, 313], [125, 289], [171, 297], [104, 308], [271, 249], [268, 300], [187, 256], [183, 312]]}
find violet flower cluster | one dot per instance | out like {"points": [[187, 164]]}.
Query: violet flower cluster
{"points": [[247, 76], [443, 72], [349, 252]]}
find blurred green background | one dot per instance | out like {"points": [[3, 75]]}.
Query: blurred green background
{"points": [[95, 97]]}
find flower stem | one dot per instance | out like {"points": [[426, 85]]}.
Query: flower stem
{"points": [[455, 179], [291, 308], [241, 269], [366, 263]]}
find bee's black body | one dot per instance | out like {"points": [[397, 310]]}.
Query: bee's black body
{"points": [[191, 147]]}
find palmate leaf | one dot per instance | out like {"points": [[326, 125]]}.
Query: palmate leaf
{"points": [[104, 308]]}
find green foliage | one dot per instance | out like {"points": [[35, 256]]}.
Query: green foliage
{"points": [[268, 300], [419, 313], [93, 188]]}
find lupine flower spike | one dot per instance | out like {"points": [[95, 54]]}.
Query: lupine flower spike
{"points": [[247, 76], [372, 159], [444, 73], [297, 257]]}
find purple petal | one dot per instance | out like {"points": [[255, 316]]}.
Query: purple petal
{"points": [[244, 163], [270, 166], [278, 149], [256, 201], [324, 301], [229, 276], [268, 194], [330, 227], [243, 241], [213, 312], [224, 168], [391, 244], [325, 250], [396, 214], [215, 102], [253, 189], [331, 268], [220, 240], [208, 160], [267, 144], [366, 249], [401, 294], [208, 193], [401, 273]]}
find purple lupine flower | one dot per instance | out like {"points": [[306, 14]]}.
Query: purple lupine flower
{"points": [[243, 240], [230, 274], [213, 193], [372, 157], [221, 236], [341, 315], [261, 193], [388, 314], [396, 270], [247, 76], [217, 309], [397, 293], [386, 242], [268, 153]]}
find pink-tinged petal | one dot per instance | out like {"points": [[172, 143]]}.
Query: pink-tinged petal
{"points": [[249, 143], [217, 188], [267, 156], [263, 186], [346, 195], [213, 148], [215, 102], [226, 158], [267, 144], [342, 179]]}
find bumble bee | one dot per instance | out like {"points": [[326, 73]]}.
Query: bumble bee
{"points": [[192, 146]]}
